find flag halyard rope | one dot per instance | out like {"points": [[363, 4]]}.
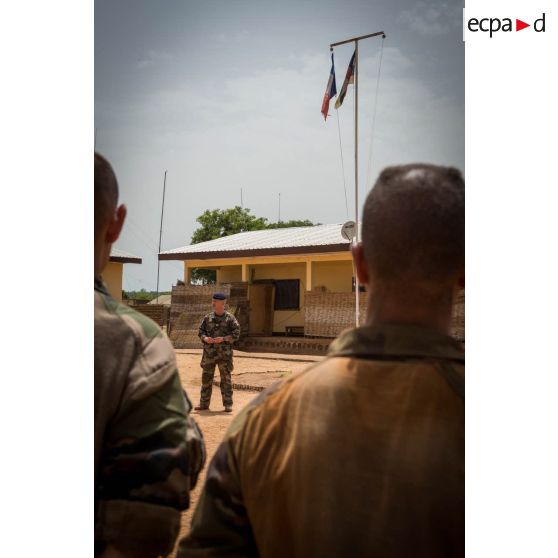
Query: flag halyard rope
{"points": [[342, 165], [373, 127]]}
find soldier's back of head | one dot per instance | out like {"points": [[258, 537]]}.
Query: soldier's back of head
{"points": [[413, 226]]}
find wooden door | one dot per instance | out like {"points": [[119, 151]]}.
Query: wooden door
{"points": [[261, 309]]}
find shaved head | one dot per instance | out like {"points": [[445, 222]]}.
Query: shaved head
{"points": [[106, 192], [413, 225], [109, 218]]}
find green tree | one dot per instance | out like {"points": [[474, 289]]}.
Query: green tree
{"points": [[217, 223], [204, 276], [140, 295], [291, 223]]}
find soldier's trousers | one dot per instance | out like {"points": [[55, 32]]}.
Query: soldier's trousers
{"points": [[208, 372]]}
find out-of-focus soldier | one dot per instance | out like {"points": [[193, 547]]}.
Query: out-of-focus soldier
{"points": [[361, 454], [148, 451]]}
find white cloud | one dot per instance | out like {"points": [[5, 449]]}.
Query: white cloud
{"points": [[152, 58], [238, 37], [432, 18], [266, 128], [263, 131]]}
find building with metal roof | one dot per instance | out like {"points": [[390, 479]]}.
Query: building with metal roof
{"points": [[282, 282], [282, 268], [113, 274], [267, 242]]}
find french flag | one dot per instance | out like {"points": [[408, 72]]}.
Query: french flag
{"points": [[331, 89]]}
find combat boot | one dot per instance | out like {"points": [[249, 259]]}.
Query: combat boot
{"points": [[228, 409], [201, 407]]}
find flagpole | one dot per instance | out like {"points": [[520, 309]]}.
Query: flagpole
{"points": [[357, 289], [161, 233], [356, 40]]}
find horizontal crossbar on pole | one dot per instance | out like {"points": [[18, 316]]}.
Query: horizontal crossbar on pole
{"points": [[359, 38]]}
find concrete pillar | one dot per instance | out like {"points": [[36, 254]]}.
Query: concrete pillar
{"points": [[308, 274], [245, 277]]}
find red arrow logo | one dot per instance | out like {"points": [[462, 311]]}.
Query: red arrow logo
{"points": [[519, 25]]}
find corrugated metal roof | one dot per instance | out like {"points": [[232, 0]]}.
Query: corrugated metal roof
{"points": [[123, 257], [322, 238]]}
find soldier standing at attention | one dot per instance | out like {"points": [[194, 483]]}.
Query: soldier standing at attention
{"points": [[218, 331]]}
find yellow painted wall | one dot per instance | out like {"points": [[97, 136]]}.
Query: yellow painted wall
{"points": [[283, 318], [112, 276], [229, 274], [335, 276]]}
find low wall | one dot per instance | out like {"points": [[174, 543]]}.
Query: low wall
{"points": [[328, 314], [157, 312], [285, 345], [458, 317]]}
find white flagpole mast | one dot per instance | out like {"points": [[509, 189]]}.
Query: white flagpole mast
{"points": [[161, 232], [356, 40], [357, 289]]}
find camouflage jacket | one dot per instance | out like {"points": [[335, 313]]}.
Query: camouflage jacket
{"points": [[361, 454], [148, 451], [219, 326]]}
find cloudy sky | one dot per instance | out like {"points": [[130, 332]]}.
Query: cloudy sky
{"points": [[226, 94]]}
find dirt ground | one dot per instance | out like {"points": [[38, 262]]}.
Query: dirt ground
{"points": [[253, 369]]}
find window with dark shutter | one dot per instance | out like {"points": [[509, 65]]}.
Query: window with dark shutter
{"points": [[287, 294]]}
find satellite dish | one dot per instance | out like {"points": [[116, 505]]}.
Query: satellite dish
{"points": [[348, 230]]}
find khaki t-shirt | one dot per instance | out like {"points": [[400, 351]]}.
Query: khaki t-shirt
{"points": [[360, 455]]}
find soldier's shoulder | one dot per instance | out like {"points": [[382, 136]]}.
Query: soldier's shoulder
{"points": [[150, 359], [230, 316], [272, 400], [147, 327]]}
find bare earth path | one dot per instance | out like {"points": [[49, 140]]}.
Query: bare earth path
{"points": [[249, 368]]}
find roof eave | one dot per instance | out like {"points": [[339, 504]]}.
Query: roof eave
{"points": [[124, 259], [222, 254]]}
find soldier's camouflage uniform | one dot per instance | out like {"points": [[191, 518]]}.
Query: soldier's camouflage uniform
{"points": [[148, 451], [220, 354], [361, 454]]}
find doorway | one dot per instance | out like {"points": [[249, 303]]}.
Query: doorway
{"points": [[261, 297]]}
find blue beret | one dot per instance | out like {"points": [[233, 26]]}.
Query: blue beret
{"points": [[219, 296]]}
